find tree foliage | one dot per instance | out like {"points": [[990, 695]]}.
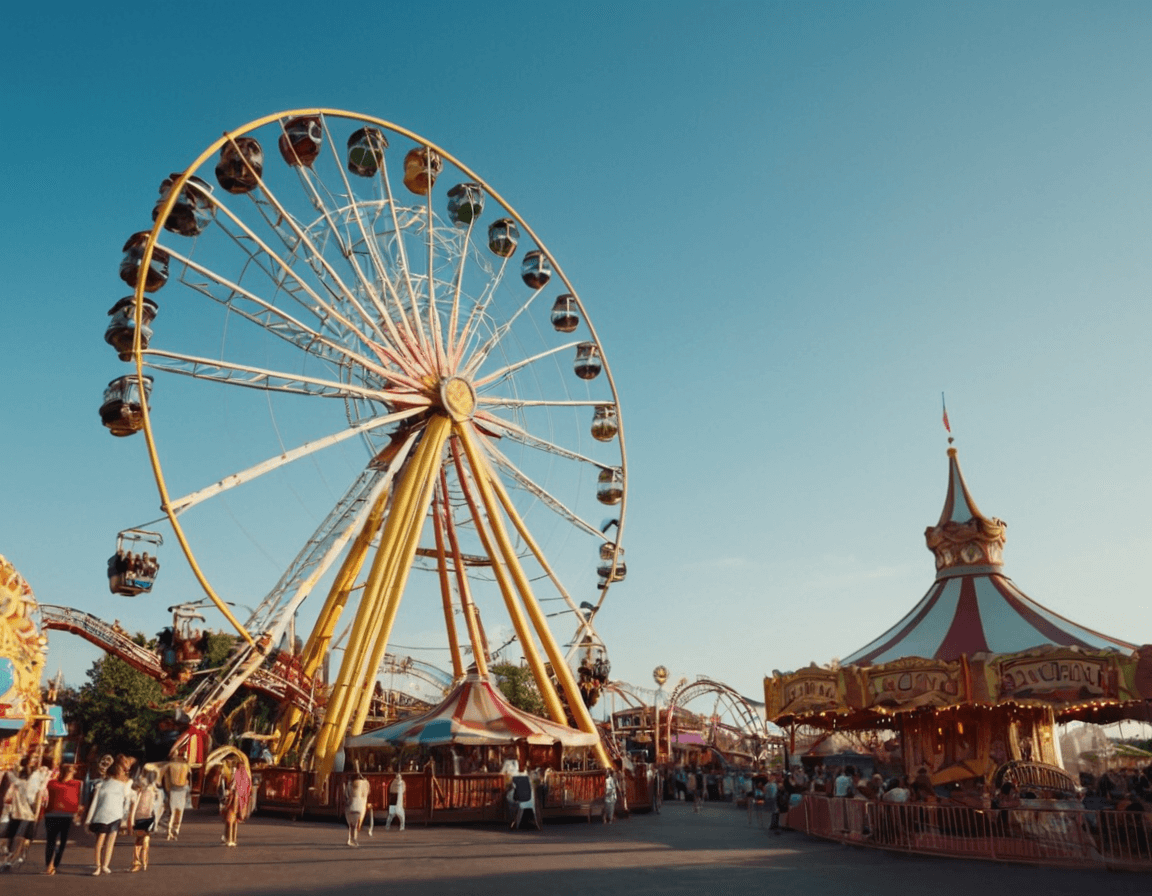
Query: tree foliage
{"points": [[518, 686], [119, 709]]}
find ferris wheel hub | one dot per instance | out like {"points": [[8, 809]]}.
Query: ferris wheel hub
{"points": [[458, 398]]}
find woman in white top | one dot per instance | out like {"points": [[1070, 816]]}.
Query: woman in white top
{"points": [[111, 801], [356, 794]]}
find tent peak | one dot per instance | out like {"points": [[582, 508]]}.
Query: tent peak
{"points": [[964, 537]]}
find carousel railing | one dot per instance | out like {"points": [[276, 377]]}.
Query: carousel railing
{"points": [[478, 797], [474, 793], [1031, 834]]}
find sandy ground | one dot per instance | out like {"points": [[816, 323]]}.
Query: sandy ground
{"points": [[714, 853]]}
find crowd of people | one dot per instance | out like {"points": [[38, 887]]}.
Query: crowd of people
{"points": [[121, 795]]}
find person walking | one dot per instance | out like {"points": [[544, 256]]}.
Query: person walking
{"points": [[237, 798], [356, 806], [610, 794], [147, 805], [111, 800], [63, 806], [177, 779], [697, 778], [396, 801], [23, 804]]}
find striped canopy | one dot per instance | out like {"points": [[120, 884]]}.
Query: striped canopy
{"points": [[972, 607], [474, 713]]}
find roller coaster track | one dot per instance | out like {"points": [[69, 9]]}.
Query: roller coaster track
{"points": [[104, 636], [280, 683]]}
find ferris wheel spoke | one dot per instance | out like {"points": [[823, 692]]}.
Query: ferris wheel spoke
{"points": [[368, 240], [524, 437], [549, 500], [457, 288], [402, 253], [295, 236], [481, 354], [499, 401], [180, 505], [310, 179], [433, 315], [271, 380], [278, 322], [476, 314], [345, 520], [508, 369], [283, 275]]}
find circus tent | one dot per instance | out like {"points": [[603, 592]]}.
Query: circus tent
{"points": [[474, 713]]}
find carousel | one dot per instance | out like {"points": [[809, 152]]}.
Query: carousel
{"points": [[968, 687], [27, 721]]}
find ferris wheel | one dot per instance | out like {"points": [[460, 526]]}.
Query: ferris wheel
{"points": [[348, 343]]}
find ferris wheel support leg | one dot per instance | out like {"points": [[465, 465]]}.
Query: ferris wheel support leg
{"points": [[471, 622], [507, 591], [445, 582], [485, 480], [341, 589], [401, 570], [567, 681], [401, 519], [331, 729], [288, 729]]}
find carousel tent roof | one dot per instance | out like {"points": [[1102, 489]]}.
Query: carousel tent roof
{"points": [[474, 713], [972, 607]]}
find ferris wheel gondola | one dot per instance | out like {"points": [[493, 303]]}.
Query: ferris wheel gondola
{"points": [[132, 569], [321, 299]]}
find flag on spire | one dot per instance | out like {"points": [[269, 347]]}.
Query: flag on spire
{"points": [[945, 406]]}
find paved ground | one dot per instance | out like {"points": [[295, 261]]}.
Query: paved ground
{"points": [[677, 853]]}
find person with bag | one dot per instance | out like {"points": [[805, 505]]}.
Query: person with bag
{"points": [[62, 807]]}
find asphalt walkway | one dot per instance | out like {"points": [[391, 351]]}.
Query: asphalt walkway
{"points": [[678, 852]]}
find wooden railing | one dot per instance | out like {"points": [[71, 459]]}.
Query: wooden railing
{"points": [[427, 797], [1035, 834]]}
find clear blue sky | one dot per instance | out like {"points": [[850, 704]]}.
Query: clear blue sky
{"points": [[794, 226]]}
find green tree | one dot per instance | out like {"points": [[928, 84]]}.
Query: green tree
{"points": [[119, 709], [518, 687]]}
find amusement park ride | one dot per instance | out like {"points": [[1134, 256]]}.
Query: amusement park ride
{"points": [[322, 301]]}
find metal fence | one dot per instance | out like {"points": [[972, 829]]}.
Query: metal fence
{"points": [[1031, 834]]}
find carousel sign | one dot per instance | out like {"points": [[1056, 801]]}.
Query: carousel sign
{"points": [[914, 681], [1081, 676]]}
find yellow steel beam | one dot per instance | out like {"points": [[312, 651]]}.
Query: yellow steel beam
{"points": [[438, 432], [488, 482], [498, 546], [475, 637], [440, 512], [331, 733]]}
